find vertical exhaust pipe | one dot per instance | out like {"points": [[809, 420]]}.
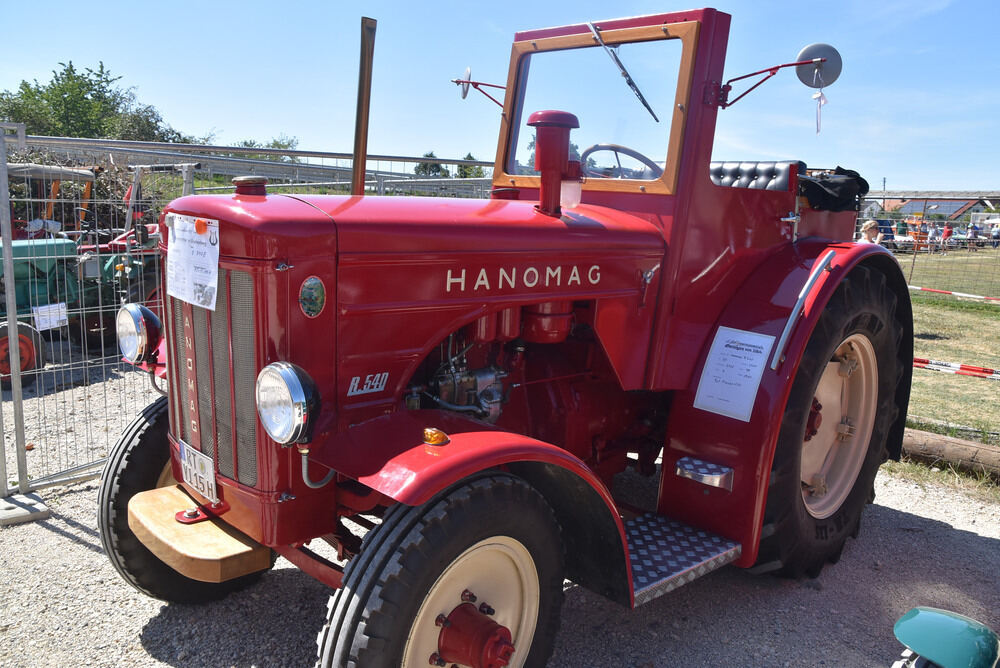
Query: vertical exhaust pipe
{"points": [[364, 100]]}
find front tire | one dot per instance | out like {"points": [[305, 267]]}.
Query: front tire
{"points": [[140, 461], [833, 434], [494, 537]]}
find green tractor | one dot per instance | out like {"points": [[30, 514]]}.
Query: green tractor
{"points": [[70, 273]]}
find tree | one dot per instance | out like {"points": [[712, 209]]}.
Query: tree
{"points": [[469, 171], [281, 142], [433, 169], [90, 103]]}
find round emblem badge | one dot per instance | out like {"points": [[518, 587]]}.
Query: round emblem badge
{"points": [[312, 296]]}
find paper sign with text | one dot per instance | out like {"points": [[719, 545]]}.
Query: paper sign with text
{"points": [[732, 373], [193, 260]]}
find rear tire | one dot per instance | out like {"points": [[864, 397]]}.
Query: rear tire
{"points": [[31, 347], [824, 470], [140, 461], [494, 536]]}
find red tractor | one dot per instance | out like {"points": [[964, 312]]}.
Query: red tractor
{"points": [[457, 396]]}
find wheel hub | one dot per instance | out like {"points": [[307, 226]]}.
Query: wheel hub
{"points": [[839, 426], [469, 637]]}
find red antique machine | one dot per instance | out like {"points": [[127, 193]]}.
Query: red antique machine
{"points": [[473, 386]]}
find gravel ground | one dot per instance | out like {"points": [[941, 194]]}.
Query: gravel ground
{"points": [[62, 603]]}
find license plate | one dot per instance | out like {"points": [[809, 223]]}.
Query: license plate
{"points": [[199, 472]]}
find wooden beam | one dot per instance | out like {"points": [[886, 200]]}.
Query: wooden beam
{"points": [[963, 455]]}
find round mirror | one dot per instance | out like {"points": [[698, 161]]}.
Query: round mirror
{"points": [[818, 75], [465, 81]]}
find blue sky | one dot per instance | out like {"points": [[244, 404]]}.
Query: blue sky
{"points": [[918, 102]]}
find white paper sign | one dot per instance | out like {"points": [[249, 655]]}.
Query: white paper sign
{"points": [[193, 260], [50, 316], [732, 372]]}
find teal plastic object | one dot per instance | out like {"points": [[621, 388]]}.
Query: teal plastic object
{"points": [[44, 272], [948, 639], [40, 255]]}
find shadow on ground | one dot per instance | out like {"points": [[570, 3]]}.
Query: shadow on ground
{"points": [[844, 617]]}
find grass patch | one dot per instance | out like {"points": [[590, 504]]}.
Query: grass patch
{"points": [[950, 330], [976, 272], [977, 486]]}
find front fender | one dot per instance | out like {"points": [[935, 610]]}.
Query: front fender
{"points": [[763, 306], [388, 454]]}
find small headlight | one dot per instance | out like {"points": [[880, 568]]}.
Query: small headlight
{"points": [[138, 332], [286, 402]]}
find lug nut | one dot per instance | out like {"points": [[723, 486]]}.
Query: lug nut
{"points": [[486, 609], [442, 621], [191, 513], [436, 660], [468, 597]]}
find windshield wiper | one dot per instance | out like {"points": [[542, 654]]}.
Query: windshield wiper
{"points": [[625, 74]]}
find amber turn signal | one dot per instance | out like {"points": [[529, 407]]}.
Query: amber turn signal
{"points": [[434, 436]]}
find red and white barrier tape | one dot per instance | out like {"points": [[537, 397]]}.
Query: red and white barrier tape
{"points": [[956, 368], [956, 294]]}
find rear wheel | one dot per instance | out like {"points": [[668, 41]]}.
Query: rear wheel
{"points": [[472, 577], [31, 348], [138, 462], [833, 434]]}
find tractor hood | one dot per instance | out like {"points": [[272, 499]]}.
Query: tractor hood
{"points": [[287, 226], [438, 225]]}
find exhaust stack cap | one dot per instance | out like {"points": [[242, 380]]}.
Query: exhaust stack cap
{"points": [[250, 185]]}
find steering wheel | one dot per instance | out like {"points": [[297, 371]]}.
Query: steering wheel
{"points": [[618, 151]]}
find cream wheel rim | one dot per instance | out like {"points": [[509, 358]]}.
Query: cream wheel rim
{"points": [[500, 572], [834, 455]]}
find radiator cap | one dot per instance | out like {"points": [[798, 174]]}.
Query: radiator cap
{"points": [[250, 185]]}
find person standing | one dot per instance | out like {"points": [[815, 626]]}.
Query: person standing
{"points": [[946, 237], [995, 235], [870, 233]]}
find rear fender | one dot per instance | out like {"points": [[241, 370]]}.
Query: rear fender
{"points": [[388, 454], [763, 306]]}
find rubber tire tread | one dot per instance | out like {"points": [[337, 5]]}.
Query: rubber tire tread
{"points": [[369, 617], [793, 543], [134, 465]]}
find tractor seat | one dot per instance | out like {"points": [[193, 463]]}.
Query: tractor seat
{"points": [[755, 175]]}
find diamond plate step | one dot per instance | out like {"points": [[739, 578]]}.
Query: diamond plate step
{"points": [[707, 473], [666, 554]]}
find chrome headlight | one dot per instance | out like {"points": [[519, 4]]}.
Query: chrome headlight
{"points": [[286, 402], [138, 332]]}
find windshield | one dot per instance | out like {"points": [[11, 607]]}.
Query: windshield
{"points": [[618, 137]]}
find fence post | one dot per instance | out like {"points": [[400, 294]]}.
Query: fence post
{"points": [[23, 507]]}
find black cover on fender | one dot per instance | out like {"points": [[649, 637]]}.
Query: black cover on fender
{"points": [[840, 191]]}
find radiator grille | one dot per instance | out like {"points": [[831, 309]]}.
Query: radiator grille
{"points": [[225, 367]]}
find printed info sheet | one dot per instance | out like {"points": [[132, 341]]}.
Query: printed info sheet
{"points": [[193, 260], [732, 372]]}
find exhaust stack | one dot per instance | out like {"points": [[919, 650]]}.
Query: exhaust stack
{"points": [[364, 100]]}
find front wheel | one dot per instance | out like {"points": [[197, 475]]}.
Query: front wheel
{"points": [[473, 577], [140, 461], [834, 430]]}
